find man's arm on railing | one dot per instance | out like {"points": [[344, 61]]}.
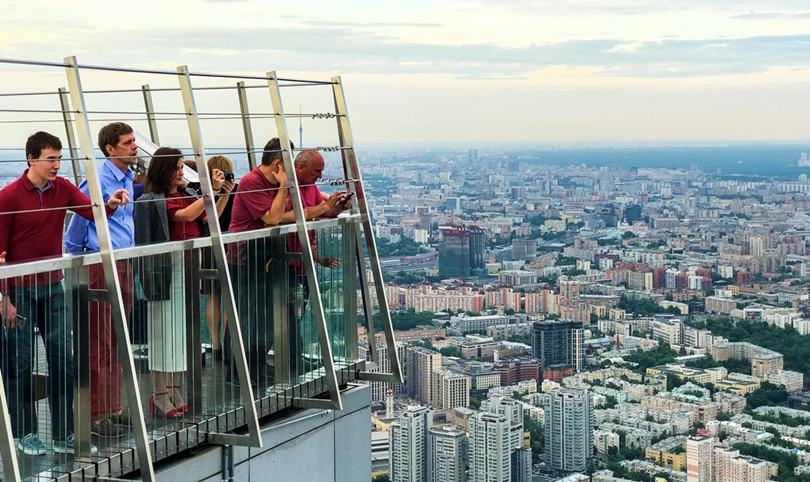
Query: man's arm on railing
{"points": [[276, 215]]}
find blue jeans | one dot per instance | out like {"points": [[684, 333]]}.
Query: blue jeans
{"points": [[45, 306]]}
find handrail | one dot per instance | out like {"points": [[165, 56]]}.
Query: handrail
{"points": [[68, 261]]}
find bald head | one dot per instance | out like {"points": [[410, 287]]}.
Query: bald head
{"points": [[308, 166]]}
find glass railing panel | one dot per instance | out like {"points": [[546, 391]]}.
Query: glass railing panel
{"points": [[181, 382], [36, 357], [253, 271], [171, 294], [337, 273], [101, 397]]}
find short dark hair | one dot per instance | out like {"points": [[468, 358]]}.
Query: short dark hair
{"points": [[110, 134], [41, 140], [162, 169], [272, 151]]}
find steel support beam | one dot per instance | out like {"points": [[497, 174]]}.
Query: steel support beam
{"points": [[150, 113], [218, 249], [71, 137], [246, 127], [316, 303], [118, 313], [8, 450], [352, 171]]}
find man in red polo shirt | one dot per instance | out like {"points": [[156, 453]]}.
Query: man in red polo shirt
{"points": [[262, 200], [309, 166], [32, 214], [259, 201]]}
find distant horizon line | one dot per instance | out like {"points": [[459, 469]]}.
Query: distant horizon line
{"points": [[562, 144]]}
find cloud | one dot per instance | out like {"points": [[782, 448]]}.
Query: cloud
{"points": [[543, 7], [355, 50], [332, 23], [788, 8], [771, 15]]}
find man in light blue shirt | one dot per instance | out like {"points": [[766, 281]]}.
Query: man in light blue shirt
{"points": [[81, 236], [117, 142]]}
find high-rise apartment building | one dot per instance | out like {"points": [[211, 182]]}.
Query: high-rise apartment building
{"points": [[452, 389], [569, 422], [472, 157], [490, 448], [522, 465], [446, 454], [728, 464], [422, 362], [513, 411], [408, 440], [379, 389], [523, 249], [569, 292], [558, 343], [699, 455], [461, 250]]}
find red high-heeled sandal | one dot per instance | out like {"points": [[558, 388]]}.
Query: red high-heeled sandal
{"points": [[182, 408], [154, 409]]}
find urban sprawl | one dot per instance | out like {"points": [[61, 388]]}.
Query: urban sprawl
{"points": [[581, 323]]}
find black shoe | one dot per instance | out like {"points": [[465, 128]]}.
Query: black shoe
{"points": [[106, 427]]}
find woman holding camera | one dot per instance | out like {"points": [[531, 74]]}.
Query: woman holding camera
{"points": [[185, 219], [213, 306]]}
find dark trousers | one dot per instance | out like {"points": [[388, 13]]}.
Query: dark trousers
{"points": [[254, 306], [45, 306], [297, 299]]}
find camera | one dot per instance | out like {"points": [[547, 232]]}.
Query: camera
{"points": [[229, 176]]}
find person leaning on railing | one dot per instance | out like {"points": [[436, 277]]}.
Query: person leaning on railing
{"points": [[117, 142], [259, 202], [309, 166], [166, 209], [32, 213]]}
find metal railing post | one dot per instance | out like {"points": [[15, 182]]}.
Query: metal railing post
{"points": [[308, 260], [150, 113], [246, 127], [76, 282], [8, 450], [349, 264], [352, 171], [218, 250], [113, 286], [71, 137]]}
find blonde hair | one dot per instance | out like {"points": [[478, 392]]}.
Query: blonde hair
{"points": [[220, 162]]}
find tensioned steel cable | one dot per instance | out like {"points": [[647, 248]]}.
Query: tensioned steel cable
{"points": [[316, 148], [158, 72], [155, 89]]}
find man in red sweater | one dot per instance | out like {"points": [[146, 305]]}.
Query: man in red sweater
{"points": [[32, 214]]}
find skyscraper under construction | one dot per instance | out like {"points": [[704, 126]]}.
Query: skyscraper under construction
{"points": [[461, 251]]}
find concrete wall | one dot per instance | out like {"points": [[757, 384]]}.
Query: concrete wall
{"points": [[307, 445]]}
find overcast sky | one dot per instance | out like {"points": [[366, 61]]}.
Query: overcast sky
{"points": [[470, 71]]}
